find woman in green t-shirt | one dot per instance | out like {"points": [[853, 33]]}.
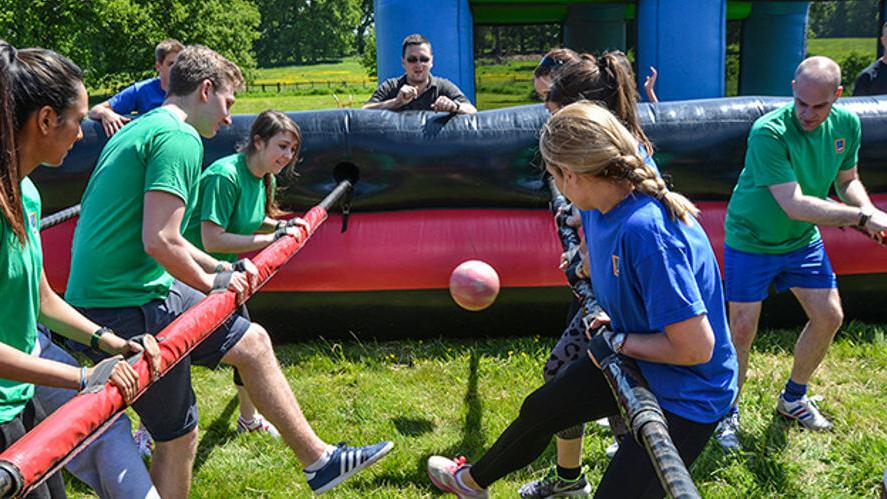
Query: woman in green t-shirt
{"points": [[42, 102], [237, 211]]}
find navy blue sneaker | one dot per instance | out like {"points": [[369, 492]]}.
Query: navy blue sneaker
{"points": [[345, 462]]}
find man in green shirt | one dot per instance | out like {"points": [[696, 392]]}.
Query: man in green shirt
{"points": [[133, 270], [795, 154]]}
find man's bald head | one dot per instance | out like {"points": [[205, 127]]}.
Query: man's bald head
{"points": [[819, 70]]}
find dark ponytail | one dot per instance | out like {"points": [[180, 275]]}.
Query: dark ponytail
{"points": [[607, 80], [10, 196]]}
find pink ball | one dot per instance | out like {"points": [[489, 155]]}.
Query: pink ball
{"points": [[474, 285]]}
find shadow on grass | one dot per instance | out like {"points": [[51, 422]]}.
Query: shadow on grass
{"points": [[471, 443], [412, 427], [218, 433], [761, 456]]}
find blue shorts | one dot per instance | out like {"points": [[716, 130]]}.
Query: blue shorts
{"points": [[747, 276], [169, 408]]}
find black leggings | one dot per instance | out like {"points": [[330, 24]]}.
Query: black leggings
{"points": [[580, 393], [11, 431]]}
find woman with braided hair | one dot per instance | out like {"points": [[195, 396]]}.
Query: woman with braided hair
{"points": [[609, 81], [657, 276]]}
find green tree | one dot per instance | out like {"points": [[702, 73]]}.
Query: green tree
{"points": [[113, 40], [306, 31]]}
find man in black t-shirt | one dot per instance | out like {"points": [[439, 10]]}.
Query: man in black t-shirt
{"points": [[418, 89], [873, 79]]}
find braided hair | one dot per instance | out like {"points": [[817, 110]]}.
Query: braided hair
{"points": [[588, 139]]}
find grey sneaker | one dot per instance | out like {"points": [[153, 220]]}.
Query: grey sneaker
{"points": [[804, 411], [554, 486], [727, 432], [442, 472]]}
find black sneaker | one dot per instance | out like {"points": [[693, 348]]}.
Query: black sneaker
{"points": [[554, 486]]}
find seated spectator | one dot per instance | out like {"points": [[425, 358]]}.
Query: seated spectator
{"points": [[418, 89], [140, 97]]}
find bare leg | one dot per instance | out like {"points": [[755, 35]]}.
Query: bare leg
{"points": [[569, 452], [744, 318], [823, 308], [171, 466], [267, 387], [247, 409]]}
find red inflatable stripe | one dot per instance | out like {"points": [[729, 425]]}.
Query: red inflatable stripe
{"points": [[417, 249], [51, 442]]}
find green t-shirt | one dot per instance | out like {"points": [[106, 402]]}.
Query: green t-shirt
{"points": [[20, 268], [109, 266], [232, 198], [780, 151]]}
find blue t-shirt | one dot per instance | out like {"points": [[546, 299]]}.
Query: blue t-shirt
{"points": [[648, 272], [140, 97], [642, 152]]}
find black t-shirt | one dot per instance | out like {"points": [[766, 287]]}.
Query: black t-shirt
{"points": [[872, 80], [389, 88]]}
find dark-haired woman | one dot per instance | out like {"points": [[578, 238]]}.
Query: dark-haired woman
{"points": [[237, 212], [656, 275], [42, 101]]}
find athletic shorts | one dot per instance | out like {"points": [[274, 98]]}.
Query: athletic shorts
{"points": [[747, 276], [169, 408]]}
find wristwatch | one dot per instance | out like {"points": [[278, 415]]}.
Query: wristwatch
{"points": [[618, 342], [865, 213]]}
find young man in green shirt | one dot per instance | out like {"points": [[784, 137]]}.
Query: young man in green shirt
{"points": [[795, 154], [133, 269]]}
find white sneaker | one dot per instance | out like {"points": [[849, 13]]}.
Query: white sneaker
{"points": [[804, 411], [727, 432], [613, 448], [442, 472], [144, 441], [258, 423]]}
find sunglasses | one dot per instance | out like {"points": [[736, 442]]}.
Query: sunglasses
{"points": [[413, 59]]}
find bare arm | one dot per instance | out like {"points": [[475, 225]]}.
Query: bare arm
{"points": [[19, 366], [57, 315], [216, 240], [466, 108], [162, 240], [686, 343], [111, 121], [850, 189], [822, 212], [385, 104]]}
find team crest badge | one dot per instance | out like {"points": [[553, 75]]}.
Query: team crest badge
{"points": [[32, 219], [839, 145], [615, 265]]}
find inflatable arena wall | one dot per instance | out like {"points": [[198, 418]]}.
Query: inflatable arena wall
{"points": [[437, 189]]}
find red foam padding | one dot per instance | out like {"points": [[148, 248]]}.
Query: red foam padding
{"points": [[418, 249]]}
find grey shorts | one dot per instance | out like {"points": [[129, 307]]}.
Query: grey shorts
{"points": [[169, 408]]}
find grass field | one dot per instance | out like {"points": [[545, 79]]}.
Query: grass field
{"points": [[456, 396], [498, 85], [839, 48]]}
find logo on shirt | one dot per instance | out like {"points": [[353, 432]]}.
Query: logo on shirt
{"points": [[32, 220], [839, 145], [615, 265]]}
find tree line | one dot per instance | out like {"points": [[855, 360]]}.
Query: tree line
{"points": [[113, 40]]}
